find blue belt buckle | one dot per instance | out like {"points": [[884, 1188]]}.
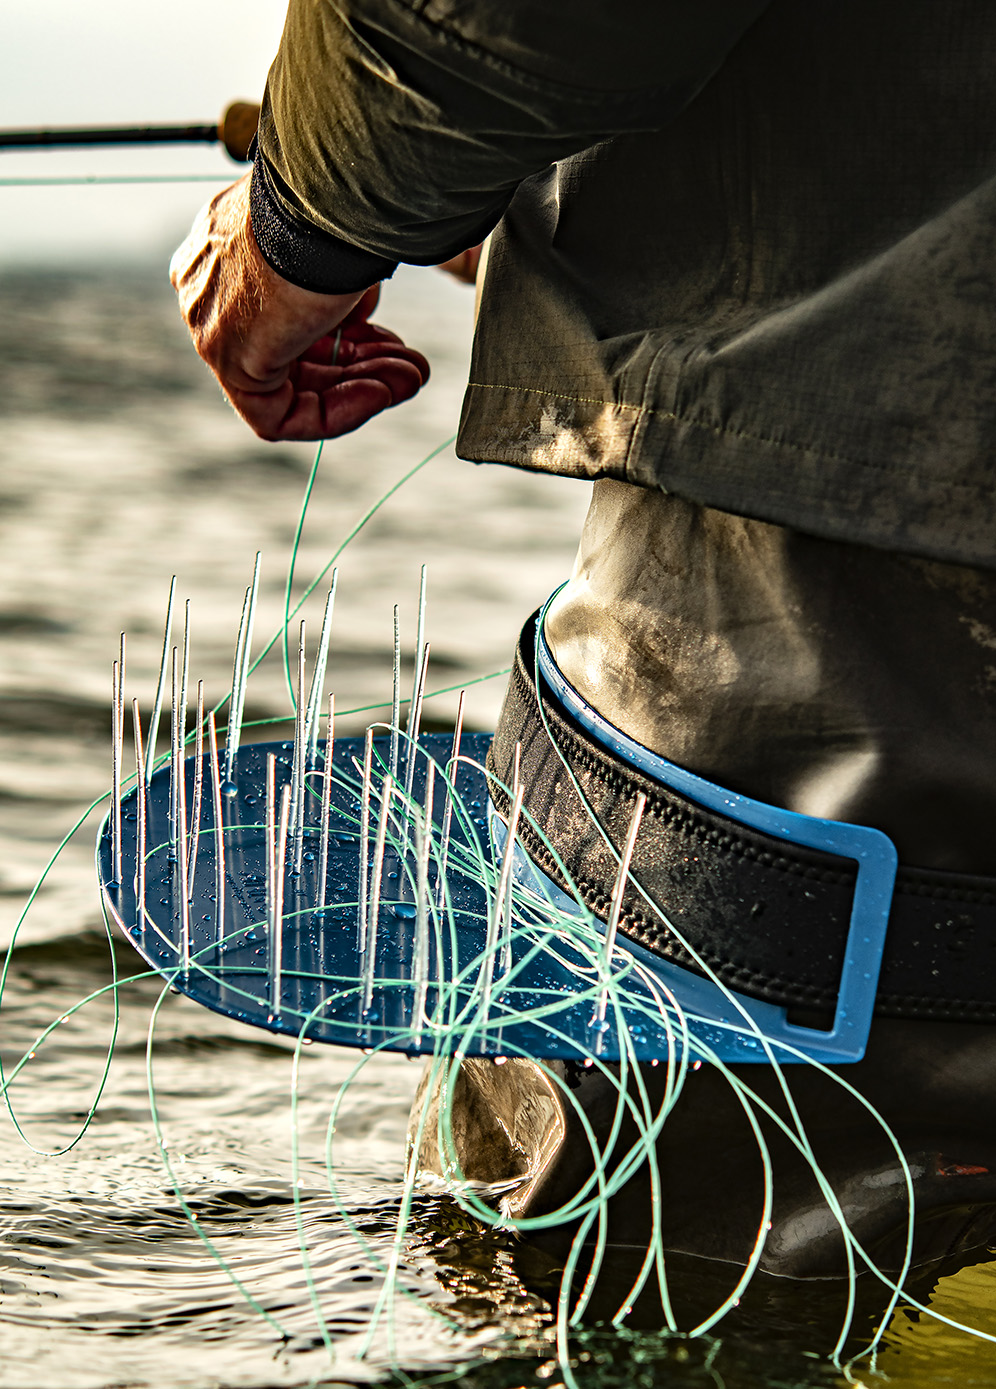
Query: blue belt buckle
{"points": [[872, 851]]}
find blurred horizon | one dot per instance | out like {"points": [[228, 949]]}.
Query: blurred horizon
{"points": [[111, 63]]}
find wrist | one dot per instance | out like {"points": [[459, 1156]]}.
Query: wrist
{"points": [[302, 255], [308, 302]]}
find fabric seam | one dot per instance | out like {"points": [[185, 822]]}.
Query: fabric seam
{"points": [[720, 430]]}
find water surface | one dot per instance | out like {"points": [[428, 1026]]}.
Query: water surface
{"points": [[119, 466]]}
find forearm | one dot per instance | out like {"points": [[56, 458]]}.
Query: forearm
{"points": [[389, 133]]}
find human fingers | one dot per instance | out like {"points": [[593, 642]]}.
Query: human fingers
{"points": [[336, 349], [361, 354], [321, 402], [402, 378], [348, 335], [291, 415]]}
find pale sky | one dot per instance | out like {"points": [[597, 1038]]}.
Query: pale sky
{"points": [[66, 62]]}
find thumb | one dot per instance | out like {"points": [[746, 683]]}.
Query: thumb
{"points": [[361, 312]]}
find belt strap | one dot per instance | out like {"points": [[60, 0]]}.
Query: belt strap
{"points": [[770, 918]]}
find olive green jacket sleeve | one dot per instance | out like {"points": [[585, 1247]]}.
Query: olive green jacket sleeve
{"points": [[398, 130]]}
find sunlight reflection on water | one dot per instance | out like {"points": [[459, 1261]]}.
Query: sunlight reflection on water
{"points": [[120, 466]]}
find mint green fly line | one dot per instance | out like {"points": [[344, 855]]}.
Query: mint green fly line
{"points": [[455, 1021], [86, 180]]}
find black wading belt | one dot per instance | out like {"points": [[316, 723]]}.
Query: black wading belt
{"points": [[770, 918]]}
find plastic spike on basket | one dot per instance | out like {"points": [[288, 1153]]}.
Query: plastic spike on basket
{"points": [[363, 891], [351, 889]]}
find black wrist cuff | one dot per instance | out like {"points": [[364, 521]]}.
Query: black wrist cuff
{"points": [[302, 255]]}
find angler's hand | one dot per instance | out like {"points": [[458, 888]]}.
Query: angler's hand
{"points": [[294, 364]]}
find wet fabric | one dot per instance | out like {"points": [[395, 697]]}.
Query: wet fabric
{"points": [[833, 680], [774, 296], [837, 680], [933, 1083]]}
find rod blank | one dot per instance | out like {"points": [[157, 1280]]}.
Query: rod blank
{"points": [[235, 131]]}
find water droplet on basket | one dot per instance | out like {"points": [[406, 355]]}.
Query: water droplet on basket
{"points": [[228, 788]]}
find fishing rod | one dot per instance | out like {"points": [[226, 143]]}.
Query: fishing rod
{"points": [[235, 131]]}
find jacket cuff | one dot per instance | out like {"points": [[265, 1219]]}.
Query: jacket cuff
{"points": [[305, 257]]}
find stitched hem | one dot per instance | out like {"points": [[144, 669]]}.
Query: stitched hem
{"points": [[718, 430]]}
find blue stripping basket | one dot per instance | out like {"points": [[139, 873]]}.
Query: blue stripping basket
{"points": [[374, 899]]}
